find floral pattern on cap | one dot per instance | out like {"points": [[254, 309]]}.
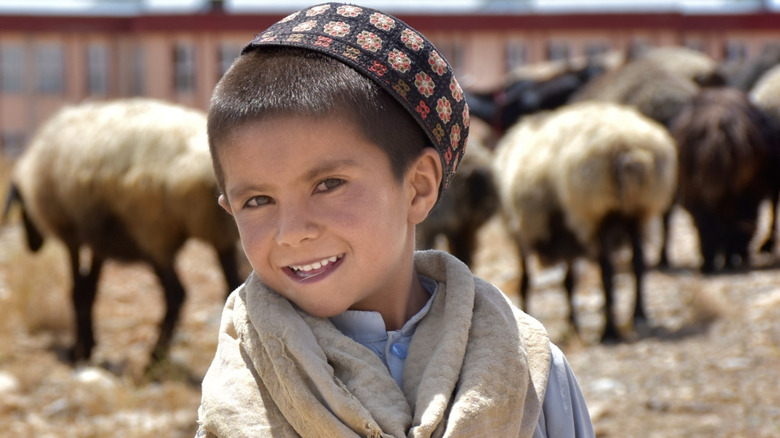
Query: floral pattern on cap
{"points": [[392, 54]]}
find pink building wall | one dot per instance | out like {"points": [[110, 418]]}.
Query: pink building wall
{"points": [[477, 45]]}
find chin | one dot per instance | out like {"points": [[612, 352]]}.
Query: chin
{"points": [[324, 312]]}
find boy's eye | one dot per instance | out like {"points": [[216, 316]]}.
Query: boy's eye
{"points": [[258, 201], [328, 184]]}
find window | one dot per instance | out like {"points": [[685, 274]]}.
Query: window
{"points": [[557, 50], [452, 51], [694, 44], [97, 69], [184, 68], [50, 69], [734, 51], [516, 54], [12, 68], [638, 47], [137, 69], [595, 48], [12, 144], [227, 54]]}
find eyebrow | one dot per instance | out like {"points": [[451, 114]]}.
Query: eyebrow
{"points": [[323, 168], [329, 166]]}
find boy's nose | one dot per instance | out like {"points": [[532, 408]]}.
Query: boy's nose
{"points": [[295, 226]]}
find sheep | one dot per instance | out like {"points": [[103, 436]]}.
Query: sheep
{"points": [[766, 95], [656, 91], [687, 63], [469, 202], [130, 180], [549, 88], [727, 156], [746, 74], [576, 182]]}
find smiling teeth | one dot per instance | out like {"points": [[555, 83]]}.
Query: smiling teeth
{"points": [[315, 265]]}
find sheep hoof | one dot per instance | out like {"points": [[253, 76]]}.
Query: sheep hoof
{"points": [[642, 329], [708, 268], [78, 354], [168, 370], [663, 264], [768, 247], [611, 336]]}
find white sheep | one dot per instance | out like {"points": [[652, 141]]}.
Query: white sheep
{"points": [[577, 181], [131, 180], [766, 93]]}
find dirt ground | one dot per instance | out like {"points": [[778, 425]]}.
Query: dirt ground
{"points": [[711, 367]]}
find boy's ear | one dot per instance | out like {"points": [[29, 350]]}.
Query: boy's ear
{"points": [[223, 202], [424, 176]]}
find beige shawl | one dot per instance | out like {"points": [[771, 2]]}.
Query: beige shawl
{"points": [[476, 366]]}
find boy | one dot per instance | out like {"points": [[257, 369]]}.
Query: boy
{"points": [[333, 135]]}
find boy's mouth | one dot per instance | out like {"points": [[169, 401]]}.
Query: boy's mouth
{"points": [[316, 268]]}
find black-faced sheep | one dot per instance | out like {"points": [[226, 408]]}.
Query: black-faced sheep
{"points": [[727, 164], [579, 182], [468, 203], [131, 180]]}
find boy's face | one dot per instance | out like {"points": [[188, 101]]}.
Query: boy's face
{"points": [[322, 219]]}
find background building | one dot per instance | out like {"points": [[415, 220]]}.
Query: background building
{"points": [[176, 50]]}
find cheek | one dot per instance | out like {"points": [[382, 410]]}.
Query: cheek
{"points": [[254, 236], [357, 209]]}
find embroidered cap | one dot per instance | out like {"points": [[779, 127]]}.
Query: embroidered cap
{"points": [[392, 54]]}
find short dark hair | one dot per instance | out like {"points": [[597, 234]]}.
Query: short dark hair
{"points": [[271, 82]]}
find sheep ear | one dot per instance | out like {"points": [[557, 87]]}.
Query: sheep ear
{"points": [[424, 177], [223, 202]]}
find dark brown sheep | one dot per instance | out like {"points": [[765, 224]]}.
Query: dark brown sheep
{"points": [[470, 201], [727, 167], [766, 95]]}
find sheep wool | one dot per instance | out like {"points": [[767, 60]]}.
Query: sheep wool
{"points": [[131, 180], [766, 93], [143, 162], [584, 160], [686, 62], [656, 91]]}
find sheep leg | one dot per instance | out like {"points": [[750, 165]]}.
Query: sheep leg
{"points": [[611, 332], [83, 296], [568, 283], [463, 246], [638, 264], [663, 262], [174, 298], [524, 282], [769, 245], [229, 264], [708, 241]]}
